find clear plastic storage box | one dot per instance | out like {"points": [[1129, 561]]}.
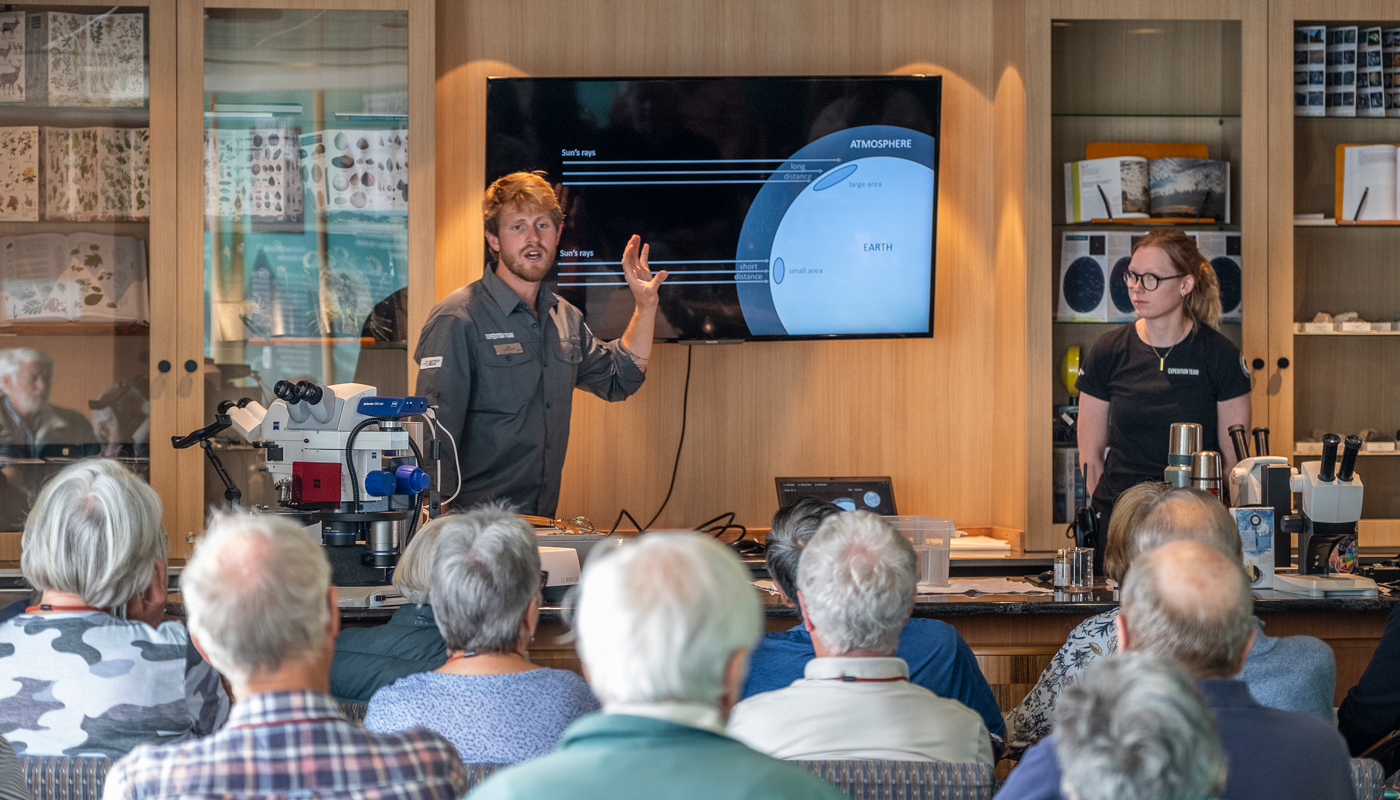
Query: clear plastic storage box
{"points": [[932, 539]]}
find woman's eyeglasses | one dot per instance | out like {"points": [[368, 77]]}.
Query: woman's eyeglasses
{"points": [[1148, 280]]}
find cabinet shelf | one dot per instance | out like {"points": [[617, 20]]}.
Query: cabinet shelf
{"points": [[1146, 223], [1346, 333], [1126, 321], [364, 343], [14, 228], [17, 115], [1297, 224], [97, 329], [1363, 454], [1110, 115]]}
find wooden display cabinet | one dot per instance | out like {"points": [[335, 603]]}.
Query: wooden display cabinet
{"points": [[272, 292], [1136, 72], [1330, 382], [90, 357]]}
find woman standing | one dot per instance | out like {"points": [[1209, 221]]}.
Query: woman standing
{"points": [[1170, 365]]}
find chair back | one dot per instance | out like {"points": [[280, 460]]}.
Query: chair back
{"points": [[906, 780], [355, 712], [474, 774], [1367, 779], [65, 777]]}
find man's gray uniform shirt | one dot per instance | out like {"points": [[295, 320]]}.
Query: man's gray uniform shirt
{"points": [[502, 380]]}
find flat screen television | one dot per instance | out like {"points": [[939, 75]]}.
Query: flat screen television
{"points": [[782, 207]]}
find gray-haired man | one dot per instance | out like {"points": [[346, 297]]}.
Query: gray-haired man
{"points": [[32, 428], [1191, 604], [855, 584], [262, 611]]}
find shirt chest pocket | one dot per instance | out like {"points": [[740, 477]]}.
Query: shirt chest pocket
{"points": [[569, 350], [507, 378]]}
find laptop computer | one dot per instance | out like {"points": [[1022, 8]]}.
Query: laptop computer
{"points": [[851, 494]]}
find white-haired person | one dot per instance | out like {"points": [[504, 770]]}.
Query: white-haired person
{"points": [[938, 658], [1290, 673], [1136, 728], [1189, 603], [33, 428], [92, 668], [368, 659], [856, 586], [262, 609], [665, 625], [488, 699]]}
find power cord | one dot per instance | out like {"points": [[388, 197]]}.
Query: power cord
{"points": [[675, 467]]}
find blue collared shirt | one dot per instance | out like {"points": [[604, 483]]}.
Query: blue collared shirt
{"points": [[938, 658]]}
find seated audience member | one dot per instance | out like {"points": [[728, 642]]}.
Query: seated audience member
{"points": [[92, 669], [1293, 673], [938, 658], [855, 586], [368, 659], [1371, 709], [1190, 604], [1136, 728], [665, 625], [488, 699], [261, 608]]}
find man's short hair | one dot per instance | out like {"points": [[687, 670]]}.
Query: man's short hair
{"points": [[11, 359], [1184, 514], [857, 579], [95, 532], [1135, 728], [1189, 602], [793, 526], [527, 189], [486, 571], [256, 593], [413, 576], [659, 618]]}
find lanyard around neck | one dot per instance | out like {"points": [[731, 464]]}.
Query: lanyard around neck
{"points": [[46, 607]]}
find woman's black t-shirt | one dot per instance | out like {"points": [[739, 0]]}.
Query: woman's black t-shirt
{"points": [[1144, 399]]}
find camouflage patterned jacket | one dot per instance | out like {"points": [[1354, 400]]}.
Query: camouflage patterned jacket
{"points": [[88, 683]]}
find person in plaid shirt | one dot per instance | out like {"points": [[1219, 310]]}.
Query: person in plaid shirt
{"points": [[262, 611]]}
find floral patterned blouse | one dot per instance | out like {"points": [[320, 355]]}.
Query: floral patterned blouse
{"points": [[1032, 720]]}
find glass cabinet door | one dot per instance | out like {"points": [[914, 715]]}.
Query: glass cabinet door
{"points": [[304, 241], [86, 205]]}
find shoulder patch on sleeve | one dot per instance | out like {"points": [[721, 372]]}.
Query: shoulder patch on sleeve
{"points": [[430, 363]]}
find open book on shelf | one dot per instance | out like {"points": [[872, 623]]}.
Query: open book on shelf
{"points": [[1136, 187], [1367, 185], [77, 277]]}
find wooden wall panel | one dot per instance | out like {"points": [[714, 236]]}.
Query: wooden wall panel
{"points": [[922, 411]]}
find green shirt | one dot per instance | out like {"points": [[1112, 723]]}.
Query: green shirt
{"points": [[502, 380], [620, 756]]}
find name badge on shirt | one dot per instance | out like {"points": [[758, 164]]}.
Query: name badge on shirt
{"points": [[430, 363], [509, 349]]}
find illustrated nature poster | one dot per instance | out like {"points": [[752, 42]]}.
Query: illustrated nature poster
{"points": [[19, 174]]}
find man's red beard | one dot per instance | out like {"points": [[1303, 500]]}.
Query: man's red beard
{"points": [[525, 270]]}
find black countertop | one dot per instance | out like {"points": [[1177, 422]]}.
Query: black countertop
{"points": [[1096, 601]]}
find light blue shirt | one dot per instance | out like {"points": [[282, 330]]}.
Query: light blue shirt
{"points": [[490, 719]]}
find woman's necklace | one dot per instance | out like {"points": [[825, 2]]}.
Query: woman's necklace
{"points": [[1162, 357]]}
